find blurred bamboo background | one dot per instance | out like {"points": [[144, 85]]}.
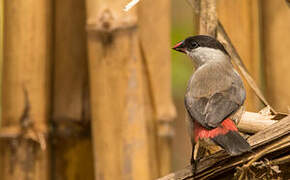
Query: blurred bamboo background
{"points": [[86, 87]]}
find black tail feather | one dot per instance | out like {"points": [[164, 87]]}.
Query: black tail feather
{"points": [[232, 142]]}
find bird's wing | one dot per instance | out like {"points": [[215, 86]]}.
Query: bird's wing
{"points": [[211, 111]]}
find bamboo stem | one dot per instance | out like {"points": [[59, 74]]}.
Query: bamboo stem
{"points": [[208, 17], [120, 140], [155, 56], [276, 52], [26, 72], [70, 113], [1, 50]]}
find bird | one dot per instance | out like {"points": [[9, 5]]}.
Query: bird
{"points": [[214, 98]]}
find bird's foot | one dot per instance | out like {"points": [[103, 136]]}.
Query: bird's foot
{"points": [[194, 166]]}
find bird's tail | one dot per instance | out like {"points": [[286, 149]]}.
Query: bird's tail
{"points": [[226, 136]]}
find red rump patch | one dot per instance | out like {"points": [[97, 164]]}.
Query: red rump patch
{"points": [[201, 132]]}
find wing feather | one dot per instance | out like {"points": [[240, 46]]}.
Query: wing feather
{"points": [[211, 111]]}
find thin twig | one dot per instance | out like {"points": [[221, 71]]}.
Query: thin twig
{"points": [[281, 160], [262, 153]]}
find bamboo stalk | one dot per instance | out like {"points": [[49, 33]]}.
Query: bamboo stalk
{"points": [[155, 44], [1, 50], [207, 17], [72, 146], [26, 88], [276, 52], [117, 92]]}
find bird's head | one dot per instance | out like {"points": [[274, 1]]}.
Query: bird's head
{"points": [[202, 49]]}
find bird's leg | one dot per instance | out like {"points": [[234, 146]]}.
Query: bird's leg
{"points": [[194, 154], [197, 153], [193, 162]]}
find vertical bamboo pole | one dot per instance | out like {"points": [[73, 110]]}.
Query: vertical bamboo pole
{"points": [[72, 148], [1, 51], [276, 43], [26, 69], [208, 17], [118, 119], [241, 20], [155, 45], [1, 61]]}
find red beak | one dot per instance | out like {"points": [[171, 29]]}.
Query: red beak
{"points": [[180, 47]]}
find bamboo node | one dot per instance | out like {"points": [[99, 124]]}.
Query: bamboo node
{"points": [[108, 22], [106, 19], [288, 3], [165, 129], [165, 122], [36, 134]]}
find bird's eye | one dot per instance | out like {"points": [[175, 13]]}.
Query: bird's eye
{"points": [[193, 44]]}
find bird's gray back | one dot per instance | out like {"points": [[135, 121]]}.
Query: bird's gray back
{"points": [[212, 78]]}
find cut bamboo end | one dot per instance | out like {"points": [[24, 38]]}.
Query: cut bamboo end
{"points": [[255, 122]]}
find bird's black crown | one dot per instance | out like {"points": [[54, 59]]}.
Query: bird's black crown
{"points": [[203, 41]]}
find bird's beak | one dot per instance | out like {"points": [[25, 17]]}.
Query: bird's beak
{"points": [[180, 47]]}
